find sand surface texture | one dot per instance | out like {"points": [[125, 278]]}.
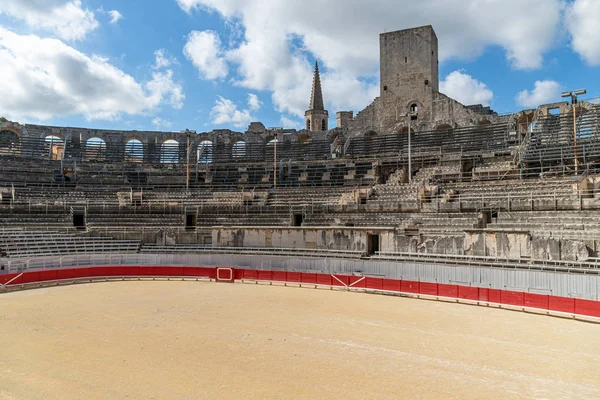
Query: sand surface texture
{"points": [[198, 340]]}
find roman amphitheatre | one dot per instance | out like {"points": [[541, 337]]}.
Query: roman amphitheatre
{"points": [[230, 264]]}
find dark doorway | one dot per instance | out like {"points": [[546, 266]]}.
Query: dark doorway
{"points": [[190, 221], [372, 244], [298, 219], [79, 220]]}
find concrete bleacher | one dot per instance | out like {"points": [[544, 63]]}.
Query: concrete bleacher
{"points": [[472, 178], [480, 193], [21, 243], [583, 224]]}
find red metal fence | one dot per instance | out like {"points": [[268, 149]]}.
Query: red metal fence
{"points": [[471, 294]]}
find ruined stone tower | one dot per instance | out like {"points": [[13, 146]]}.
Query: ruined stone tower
{"points": [[409, 62], [316, 117]]}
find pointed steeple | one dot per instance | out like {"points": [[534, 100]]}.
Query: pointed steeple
{"points": [[316, 117], [316, 98]]}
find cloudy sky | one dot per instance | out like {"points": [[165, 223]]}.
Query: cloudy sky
{"points": [[204, 64]]}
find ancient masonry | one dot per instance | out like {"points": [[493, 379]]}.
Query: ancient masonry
{"points": [[317, 117], [494, 204]]}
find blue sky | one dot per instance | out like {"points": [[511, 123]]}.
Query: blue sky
{"points": [[213, 64]]}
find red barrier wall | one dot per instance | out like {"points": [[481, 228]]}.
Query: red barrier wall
{"points": [[513, 298]]}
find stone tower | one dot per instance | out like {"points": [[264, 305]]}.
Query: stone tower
{"points": [[317, 118], [409, 62]]}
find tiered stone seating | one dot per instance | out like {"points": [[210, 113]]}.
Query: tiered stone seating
{"points": [[19, 243], [426, 222], [513, 189], [555, 223], [306, 196], [244, 216]]}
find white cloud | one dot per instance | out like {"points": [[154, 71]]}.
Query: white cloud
{"points": [[544, 92], [163, 89], [581, 19], [289, 123], [160, 123], [253, 102], [226, 112], [115, 16], [43, 78], [203, 49], [162, 60], [273, 53], [67, 19], [466, 89]]}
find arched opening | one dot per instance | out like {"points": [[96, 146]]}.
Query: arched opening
{"points": [[205, 153], [371, 133], [134, 151], [324, 125], [239, 149], [95, 149], [404, 130], [443, 128], [308, 124], [414, 108], [272, 142], [10, 143], [483, 122], [54, 147], [169, 152]]}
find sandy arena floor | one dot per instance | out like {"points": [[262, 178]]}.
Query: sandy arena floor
{"points": [[194, 340]]}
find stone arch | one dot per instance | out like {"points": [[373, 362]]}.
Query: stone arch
{"points": [[134, 150], [169, 151], [95, 149], [483, 122], [270, 139], [414, 106], [205, 151], [444, 128], [54, 146], [10, 141], [324, 124], [238, 150], [403, 130], [370, 133]]}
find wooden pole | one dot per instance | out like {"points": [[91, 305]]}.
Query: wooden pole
{"points": [[575, 137], [187, 166]]}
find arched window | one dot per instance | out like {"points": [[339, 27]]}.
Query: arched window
{"points": [[239, 149], [134, 151], [324, 125], [54, 147], [169, 152], [308, 124], [414, 108], [95, 149], [205, 154], [10, 143]]}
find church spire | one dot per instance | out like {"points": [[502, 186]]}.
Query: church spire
{"points": [[316, 98], [316, 117]]}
